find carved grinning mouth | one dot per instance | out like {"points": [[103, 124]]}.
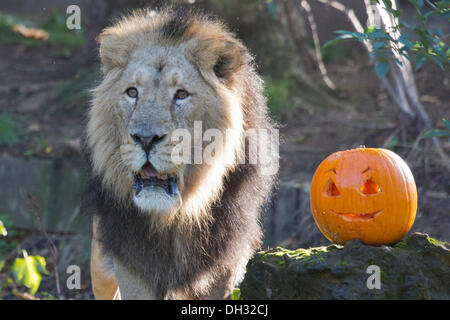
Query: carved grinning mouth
{"points": [[357, 216], [149, 177]]}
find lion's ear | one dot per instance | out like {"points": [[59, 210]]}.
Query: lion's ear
{"points": [[114, 52], [220, 58]]}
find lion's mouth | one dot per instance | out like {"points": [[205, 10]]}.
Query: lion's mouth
{"points": [[358, 217], [149, 177]]}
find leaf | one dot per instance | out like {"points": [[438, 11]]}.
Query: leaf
{"points": [[28, 270], [420, 61], [337, 40], [392, 143], [438, 61], [3, 231], [2, 263], [236, 294], [381, 68], [378, 44], [397, 13], [352, 34], [436, 133]]}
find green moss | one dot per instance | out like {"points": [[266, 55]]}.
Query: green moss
{"points": [[436, 242], [384, 275], [280, 256], [59, 36], [11, 129], [236, 295], [401, 245], [72, 96]]}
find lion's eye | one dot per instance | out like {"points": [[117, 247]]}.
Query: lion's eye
{"points": [[181, 94], [132, 92]]}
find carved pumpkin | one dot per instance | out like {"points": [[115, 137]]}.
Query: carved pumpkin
{"points": [[364, 193]]}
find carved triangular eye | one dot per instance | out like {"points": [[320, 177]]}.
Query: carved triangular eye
{"points": [[331, 190], [370, 187]]}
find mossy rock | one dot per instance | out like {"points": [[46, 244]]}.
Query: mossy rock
{"points": [[415, 268]]}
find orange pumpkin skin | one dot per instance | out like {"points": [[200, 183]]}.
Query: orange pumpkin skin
{"points": [[364, 193]]}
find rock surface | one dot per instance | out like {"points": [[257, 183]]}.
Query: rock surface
{"points": [[416, 268]]}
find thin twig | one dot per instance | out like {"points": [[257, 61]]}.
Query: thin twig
{"points": [[22, 295], [404, 79], [392, 88], [323, 70]]}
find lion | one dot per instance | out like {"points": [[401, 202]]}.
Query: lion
{"points": [[164, 229]]}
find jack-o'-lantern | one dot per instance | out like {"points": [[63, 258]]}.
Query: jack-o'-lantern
{"points": [[364, 193]]}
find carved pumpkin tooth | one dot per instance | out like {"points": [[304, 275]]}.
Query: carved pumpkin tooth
{"points": [[364, 193]]}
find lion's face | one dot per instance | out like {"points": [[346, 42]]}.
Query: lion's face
{"points": [[136, 111], [160, 91]]}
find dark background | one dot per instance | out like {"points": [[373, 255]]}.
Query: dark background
{"points": [[44, 95]]}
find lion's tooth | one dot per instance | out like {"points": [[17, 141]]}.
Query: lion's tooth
{"points": [[138, 187]]}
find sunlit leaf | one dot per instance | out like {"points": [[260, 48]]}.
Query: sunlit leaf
{"points": [[236, 294], [353, 34], [335, 41], [420, 61], [381, 68], [28, 271], [436, 133]]}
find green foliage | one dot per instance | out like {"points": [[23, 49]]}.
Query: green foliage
{"points": [[8, 36], [73, 95], [13, 133], [3, 231], [47, 296], [28, 271], [11, 130], [7, 244], [257, 23], [55, 25], [334, 53], [278, 90], [429, 43], [439, 133]]}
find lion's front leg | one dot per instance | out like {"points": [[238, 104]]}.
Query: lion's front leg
{"points": [[224, 285]]}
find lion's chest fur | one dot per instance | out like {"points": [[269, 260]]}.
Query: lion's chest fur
{"points": [[167, 259]]}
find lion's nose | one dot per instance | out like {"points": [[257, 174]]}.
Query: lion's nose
{"points": [[147, 142]]}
